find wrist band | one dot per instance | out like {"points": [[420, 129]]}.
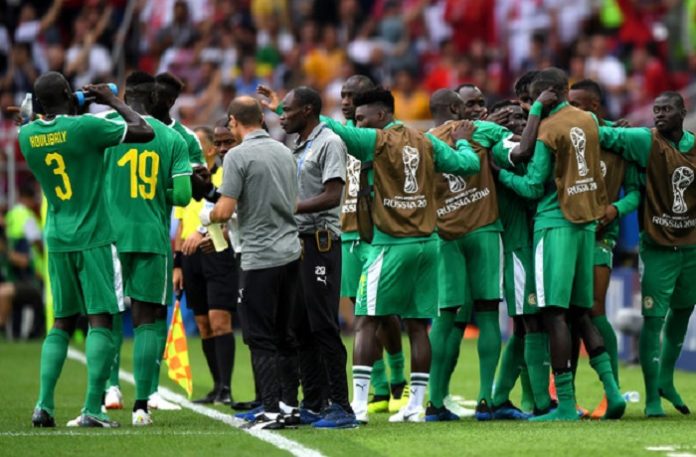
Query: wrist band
{"points": [[178, 257], [537, 109]]}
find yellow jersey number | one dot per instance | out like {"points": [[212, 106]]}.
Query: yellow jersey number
{"points": [[144, 168], [64, 192]]}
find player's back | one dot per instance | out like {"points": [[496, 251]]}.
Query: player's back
{"points": [[138, 177], [66, 154]]}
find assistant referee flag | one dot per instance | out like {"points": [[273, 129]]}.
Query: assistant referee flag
{"points": [[176, 352]]}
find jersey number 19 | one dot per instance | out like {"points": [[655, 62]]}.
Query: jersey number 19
{"points": [[143, 178]]}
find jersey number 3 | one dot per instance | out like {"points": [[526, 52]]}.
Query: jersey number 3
{"points": [[143, 178], [64, 192]]}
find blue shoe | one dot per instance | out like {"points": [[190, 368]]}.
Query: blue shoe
{"points": [[441, 414], [483, 411], [508, 411], [249, 416], [336, 417], [307, 416]]}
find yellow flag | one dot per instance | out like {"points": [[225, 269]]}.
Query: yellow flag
{"points": [[176, 353]]}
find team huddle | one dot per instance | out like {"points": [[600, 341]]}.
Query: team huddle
{"points": [[426, 231]]}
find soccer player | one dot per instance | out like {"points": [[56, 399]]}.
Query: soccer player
{"points": [[525, 354], [260, 182], [66, 154], [667, 159], [167, 89], [403, 256], [142, 182], [392, 394], [471, 256], [617, 173], [522, 89], [565, 174]]}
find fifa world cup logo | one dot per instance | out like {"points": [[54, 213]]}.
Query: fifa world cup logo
{"points": [[456, 183], [353, 175], [577, 138], [681, 180], [411, 159]]}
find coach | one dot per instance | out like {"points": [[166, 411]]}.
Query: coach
{"points": [[259, 181], [321, 169]]}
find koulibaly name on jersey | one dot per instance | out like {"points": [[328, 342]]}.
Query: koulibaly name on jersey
{"points": [[48, 139]]}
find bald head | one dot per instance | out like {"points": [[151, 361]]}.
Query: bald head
{"points": [[353, 85], [445, 105], [53, 92], [246, 111]]}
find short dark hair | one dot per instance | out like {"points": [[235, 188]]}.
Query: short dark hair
{"points": [[674, 97], [224, 122], [361, 81], [246, 110], [207, 131], [140, 82], [48, 88], [551, 78], [169, 81], [497, 106], [377, 96], [308, 96], [522, 84], [588, 85]]}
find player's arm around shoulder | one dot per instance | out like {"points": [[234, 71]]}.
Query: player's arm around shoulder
{"points": [[462, 161], [532, 184], [360, 142], [632, 143]]}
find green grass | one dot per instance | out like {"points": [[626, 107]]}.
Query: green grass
{"points": [[184, 433]]}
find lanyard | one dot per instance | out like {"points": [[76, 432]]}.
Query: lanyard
{"points": [[306, 154]]}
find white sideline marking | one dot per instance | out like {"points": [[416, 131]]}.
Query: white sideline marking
{"points": [[50, 433], [274, 439], [660, 448]]}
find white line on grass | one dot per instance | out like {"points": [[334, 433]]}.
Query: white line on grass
{"points": [[271, 438], [50, 433]]}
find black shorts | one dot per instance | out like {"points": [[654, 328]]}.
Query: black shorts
{"points": [[211, 281]]}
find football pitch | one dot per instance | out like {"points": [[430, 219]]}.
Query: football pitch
{"points": [[212, 432]]}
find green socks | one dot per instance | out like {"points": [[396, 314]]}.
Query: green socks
{"points": [[454, 344], [100, 356], [378, 379], [161, 329], [488, 351], [53, 354], [649, 349], [676, 325], [396, 368], [616, 405], [611, 345], [510, 368], [527, 401], [536, 356], [144, 359], [566, 401], [439, 365], [117, 330]]}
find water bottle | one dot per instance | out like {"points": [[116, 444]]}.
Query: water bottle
{"points": [[83, 99], [631, 396], [215, 232], [26, 109]]}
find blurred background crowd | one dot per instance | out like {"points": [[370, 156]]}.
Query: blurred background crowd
{"points": [[221, 48]]}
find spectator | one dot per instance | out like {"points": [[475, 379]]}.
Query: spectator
{"points": [[34, 31], [410, 102], [86, 59], [21, 72], [247, 82], [608, 71], [648, 77]]}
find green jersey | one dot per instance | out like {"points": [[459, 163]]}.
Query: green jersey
{"points": [[137, 180], [195, 150], [66, 155], [513, 209]]}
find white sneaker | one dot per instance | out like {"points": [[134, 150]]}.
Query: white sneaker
{"points": [[74, 422], [114, 398], [141, 418], [453, 405], [409, 415], [157, 402], [360, 413]]}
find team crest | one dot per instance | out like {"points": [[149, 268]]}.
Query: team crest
{"points": [[648, 302], [531, 299], [681, 180], [411, 159]]}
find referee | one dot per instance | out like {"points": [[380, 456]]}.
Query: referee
{"points": [[260, 183], [321, 169]]}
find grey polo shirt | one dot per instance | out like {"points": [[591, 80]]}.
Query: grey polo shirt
{"points": [[320, 158], [261, 174]]}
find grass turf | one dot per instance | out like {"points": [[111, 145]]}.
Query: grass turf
{"points": [[184, 432]]}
